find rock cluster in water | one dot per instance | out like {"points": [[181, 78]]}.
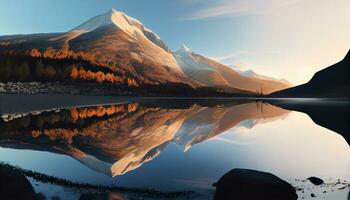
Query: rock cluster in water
{"points": [[315, 180]]}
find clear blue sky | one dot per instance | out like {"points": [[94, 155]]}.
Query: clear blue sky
{"points": [[166, 18], [272, 37]]}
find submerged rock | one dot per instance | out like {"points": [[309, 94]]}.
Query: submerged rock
{"points": [[315, 180], [250, 184], [14, 185]]}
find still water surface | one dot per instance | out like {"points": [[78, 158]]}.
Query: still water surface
{"points": [[174, 146]]}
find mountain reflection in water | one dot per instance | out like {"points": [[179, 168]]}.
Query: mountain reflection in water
{"points": [[182, 144], [116, 139]]}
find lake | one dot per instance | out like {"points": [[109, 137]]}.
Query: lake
{"points": [[177, 148]]}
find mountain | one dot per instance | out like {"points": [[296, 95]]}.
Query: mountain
{"points": [[211, 73], [331, 82], [114, 41], [129, 25], [252, 73], [117, 49]]}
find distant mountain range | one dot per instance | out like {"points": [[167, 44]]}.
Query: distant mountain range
{"points": [[211, 73], [252, 73], [331, 82], [118, 49]]}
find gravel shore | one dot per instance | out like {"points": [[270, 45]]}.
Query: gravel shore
{"points": [[59, 88]]}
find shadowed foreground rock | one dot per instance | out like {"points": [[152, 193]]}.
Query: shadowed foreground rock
{"points": [[250, 184], [14, 185]]}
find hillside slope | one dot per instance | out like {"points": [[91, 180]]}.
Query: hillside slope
{"points": [[331, 82]]}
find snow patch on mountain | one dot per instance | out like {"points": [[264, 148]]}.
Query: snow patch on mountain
{"points": [[187, 61]]}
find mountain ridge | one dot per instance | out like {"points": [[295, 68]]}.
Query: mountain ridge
{"points": [[210, 72], [252, 73]]}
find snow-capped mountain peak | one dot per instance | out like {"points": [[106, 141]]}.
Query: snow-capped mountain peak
{"points": [[96, 22], [119, 19], [184, 50], [129, 25], [187, 60]]}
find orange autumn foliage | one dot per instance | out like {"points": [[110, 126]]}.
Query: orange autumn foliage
{"points": [[99, 76], [100, 111], [132, 107], [82, 74], [64, 53], [74, 73], [35, 53], [57, 133], [132, 82]]}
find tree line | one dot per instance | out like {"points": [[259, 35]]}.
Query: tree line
{"points": [[17, 67], [27, 68], [13, 68]]}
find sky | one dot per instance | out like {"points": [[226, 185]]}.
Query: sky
{"points": [[289, 39]]}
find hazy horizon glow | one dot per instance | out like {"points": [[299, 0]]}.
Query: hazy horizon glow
{"points": [[289, 39]]}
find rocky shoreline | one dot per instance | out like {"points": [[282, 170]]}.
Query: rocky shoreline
{"points": [[59, 88], [14, 178]]}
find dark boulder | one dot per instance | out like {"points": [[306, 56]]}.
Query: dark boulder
{"points": [[14, 185], [315, 180], [250, 184]]}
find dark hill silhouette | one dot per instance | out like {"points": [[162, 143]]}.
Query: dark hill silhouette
{"points": [[331, 82]]}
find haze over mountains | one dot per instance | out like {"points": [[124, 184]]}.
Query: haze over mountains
{"points": [[212, 73], [128, 53], [252, 73]]}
